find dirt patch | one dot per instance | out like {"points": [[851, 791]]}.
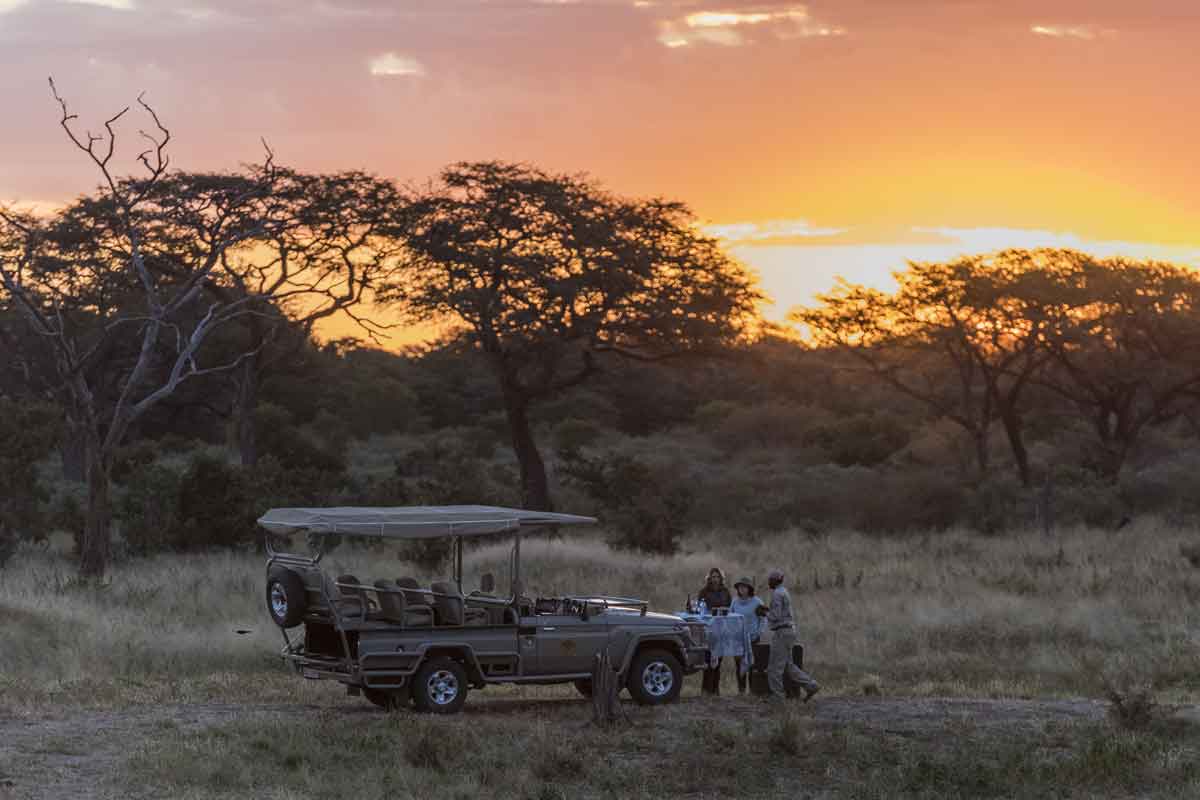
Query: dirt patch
{"points": [[76, 756]]}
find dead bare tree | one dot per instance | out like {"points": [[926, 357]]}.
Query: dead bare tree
{"points": [[91, 282]]}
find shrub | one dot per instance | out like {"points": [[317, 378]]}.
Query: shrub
{"points": [[149, 510], [1132, 708], [293, 446], [27, 433], [768, 426], [214, 504], [646, 508], [861, 439], [573, 434]]}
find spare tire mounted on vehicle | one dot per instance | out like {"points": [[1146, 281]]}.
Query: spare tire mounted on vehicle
{"points": [[285, 597]]}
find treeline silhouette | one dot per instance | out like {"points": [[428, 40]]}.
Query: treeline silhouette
{"points": [[885, 429], [605, 354]]}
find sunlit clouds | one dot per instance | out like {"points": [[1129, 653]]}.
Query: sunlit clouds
{"points": [[771, 232], [120, 5], [1085, 32], [816, 137], [393, 65], [733, 28]]}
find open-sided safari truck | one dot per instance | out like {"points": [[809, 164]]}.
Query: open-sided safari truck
{"points": [[394, 640]]}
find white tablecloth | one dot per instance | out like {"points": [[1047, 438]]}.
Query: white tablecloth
{"points": [[728, 635]]}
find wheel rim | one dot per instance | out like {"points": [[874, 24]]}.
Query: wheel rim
{"points": [[442, 687], [657, 679], [279, 604]]}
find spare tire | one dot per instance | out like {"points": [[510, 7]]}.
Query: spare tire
{"points": [[285, 597]]}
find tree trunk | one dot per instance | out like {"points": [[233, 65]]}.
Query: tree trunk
{"points": [[535, 489], [245, 429], [74, 453], [1016, 441], [97, 531], [980, 435]]}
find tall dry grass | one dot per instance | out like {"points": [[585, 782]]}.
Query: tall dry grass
{"points": [[951, 613]]}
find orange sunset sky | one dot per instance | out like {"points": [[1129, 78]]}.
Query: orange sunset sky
{"points": [[835, 137]]}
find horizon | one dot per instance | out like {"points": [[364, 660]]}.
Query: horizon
{"points": [[816, 139]]}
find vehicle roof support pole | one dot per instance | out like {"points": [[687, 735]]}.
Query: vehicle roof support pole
{"points": [[458, 562], [516, 570]]}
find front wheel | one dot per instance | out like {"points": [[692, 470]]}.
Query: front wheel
{"points": [[655, 678], [440, 686]]}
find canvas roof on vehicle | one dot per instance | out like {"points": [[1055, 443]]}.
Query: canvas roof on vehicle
{"points": [[413, 522]]}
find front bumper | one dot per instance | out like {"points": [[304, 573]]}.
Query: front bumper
{"points": [[696, 658]]}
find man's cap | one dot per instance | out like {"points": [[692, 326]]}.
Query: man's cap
{"points": [[775, 575]]}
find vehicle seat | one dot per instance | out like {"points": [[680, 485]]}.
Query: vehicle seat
{"points": [[414, 598], [348, 602], [450, 609], [395, 609]]}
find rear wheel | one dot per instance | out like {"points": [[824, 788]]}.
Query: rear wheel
{"points": [[388, 699], [285, 597], [655, 678], [440, 686]]}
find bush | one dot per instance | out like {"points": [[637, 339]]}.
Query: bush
{"points": [[148, 511], [859, 440], [646, 508], [27, 433], [764, 427], [278, 437], [214, 504]]}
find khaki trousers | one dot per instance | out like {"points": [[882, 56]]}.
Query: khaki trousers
{"points": [[780, 663]]}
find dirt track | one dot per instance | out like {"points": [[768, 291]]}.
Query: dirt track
{"points": [[75, 756]]}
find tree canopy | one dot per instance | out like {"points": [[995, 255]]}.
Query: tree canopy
{"points": [[548, 272]]}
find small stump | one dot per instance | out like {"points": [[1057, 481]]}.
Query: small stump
{"points": [[606, 691]]}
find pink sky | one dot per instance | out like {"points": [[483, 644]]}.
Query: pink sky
{"points": [[822, 138]]}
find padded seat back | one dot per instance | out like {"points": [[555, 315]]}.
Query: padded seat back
{"points": [[413, 596], [391, 601], [447, 603]]}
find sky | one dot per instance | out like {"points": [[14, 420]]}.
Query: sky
{"points": [[821, 139]]}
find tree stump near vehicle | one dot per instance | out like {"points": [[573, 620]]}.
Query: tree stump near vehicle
{"points": [[606, 691]]}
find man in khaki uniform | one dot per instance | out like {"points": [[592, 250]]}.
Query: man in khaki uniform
{"points": [[783, 636]]}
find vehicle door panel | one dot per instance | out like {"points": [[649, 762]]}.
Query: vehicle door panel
{"points": [[568, 643]]}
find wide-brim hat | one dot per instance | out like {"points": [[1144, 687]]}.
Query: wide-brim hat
{"points": [[749, 584]]}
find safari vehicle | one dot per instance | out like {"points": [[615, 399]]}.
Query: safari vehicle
{"points": [[395, 641]]}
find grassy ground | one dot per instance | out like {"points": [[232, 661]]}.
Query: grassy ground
{"points": [[952, 614], [949, 615], [697, 749]]}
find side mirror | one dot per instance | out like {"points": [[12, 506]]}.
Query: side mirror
{"points": [[487, 583]]}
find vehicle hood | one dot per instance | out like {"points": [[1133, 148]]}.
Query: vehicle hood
{"points": [[650, 618]]}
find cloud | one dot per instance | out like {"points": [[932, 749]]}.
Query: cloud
{"points": [[121, 5], [729, 28], [390, 64], [800, 233], [1086, 32]]}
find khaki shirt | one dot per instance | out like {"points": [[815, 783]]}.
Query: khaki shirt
{"points": [[780, 613]]}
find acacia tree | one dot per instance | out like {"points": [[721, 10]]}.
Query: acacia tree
{"points": [[964, 337], [1126, 348], [331, 241], [548, 273], [84, 281]]}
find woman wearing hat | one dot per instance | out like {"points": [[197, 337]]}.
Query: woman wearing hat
{"points": [[745, 602]]}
